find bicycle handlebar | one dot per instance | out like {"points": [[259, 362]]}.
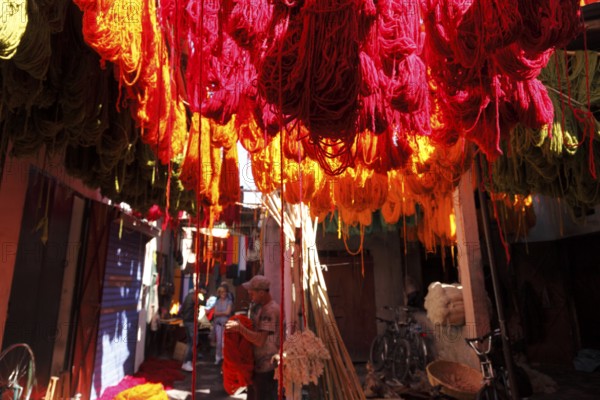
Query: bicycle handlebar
{"points": [[475, 342], [495, 332]]}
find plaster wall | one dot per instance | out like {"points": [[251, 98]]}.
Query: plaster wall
{"points": [[387, 254]]}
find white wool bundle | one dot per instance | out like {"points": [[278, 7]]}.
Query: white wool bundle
{"points": [[444, 303], [436, 302], [13, 22], [304, 357]]}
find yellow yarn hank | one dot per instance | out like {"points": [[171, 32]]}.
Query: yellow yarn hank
{"points": [[14, 17], [146, 391]]}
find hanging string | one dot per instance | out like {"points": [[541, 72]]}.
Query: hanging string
{"points": [[199, 181], [282, 242], [590, 117], [301, 207]]}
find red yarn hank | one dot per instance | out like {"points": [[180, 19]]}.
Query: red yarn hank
{"points": [[517, 64], [249, 22], [238, 358], [373, 113], [549, 23], [322, 74], [229, 73], [533, 105]]}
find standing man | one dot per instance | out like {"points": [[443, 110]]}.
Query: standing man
{"points": [[188, 313], [266, 319]]}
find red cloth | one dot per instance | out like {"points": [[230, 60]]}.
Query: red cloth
{"points": [[238, 358], [161, 371], [152, 370], [210, 314]]}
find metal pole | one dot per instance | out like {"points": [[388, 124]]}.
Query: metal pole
{"points": [[485, 218]]}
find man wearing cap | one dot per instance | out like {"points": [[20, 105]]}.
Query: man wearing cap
{"points": [[265, 316]]}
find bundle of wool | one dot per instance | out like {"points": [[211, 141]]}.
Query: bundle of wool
{"points": [[229, 183], [14, 18], [228, 74], [238, 358], [312, 74], [145, 391], [249, 22], [444, 304]]}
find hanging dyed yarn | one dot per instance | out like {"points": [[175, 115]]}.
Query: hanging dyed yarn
{"points": [[249, 21], [196, 169], [302, 180], [548, 24], [229, 183], [133, 42], [14, 17], [560, 160], [266, 167], [487, 79], [312, 74]]}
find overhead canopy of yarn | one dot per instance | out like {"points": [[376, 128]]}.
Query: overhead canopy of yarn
{"points": [[351, 106]]}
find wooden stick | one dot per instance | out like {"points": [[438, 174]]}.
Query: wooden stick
{"points": [[340, 381]]}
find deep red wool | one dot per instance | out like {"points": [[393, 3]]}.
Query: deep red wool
{"points": [[249, 22], [229, 73], [311, 72], [485, 56], [533, 105], [517, 64], [547, 24], [238, 358]]}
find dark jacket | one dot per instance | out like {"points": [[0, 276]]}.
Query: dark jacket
{"points": [[187, 308]]}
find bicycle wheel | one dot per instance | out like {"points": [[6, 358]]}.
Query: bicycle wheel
{"points": [[490, 392], [401, 360], [17, 372], [379, 351], [421, 352]]}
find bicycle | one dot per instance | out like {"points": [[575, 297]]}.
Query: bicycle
{"points": [[401, 349], [496, 385], [17, 372], [411, 330]]}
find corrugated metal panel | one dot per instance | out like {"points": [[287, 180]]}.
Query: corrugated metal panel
{"points": [[117, 332]]}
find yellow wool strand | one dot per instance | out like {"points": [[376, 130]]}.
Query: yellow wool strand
{"points": [[14, 17]]}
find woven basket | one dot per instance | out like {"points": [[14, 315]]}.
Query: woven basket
{"points": [[457, 380]]}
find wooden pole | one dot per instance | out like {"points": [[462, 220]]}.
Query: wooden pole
{"points": [[485, 219], [477, 318]]}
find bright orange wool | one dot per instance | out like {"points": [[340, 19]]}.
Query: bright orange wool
{"points": [[225, 136], [292, 143], [216, 163], [322, 202], [125, 32], [196, 168], [302, 180], [252, 138], [229, 184], [437, 224], [266, 167], [359, 190], [399, 202]]}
